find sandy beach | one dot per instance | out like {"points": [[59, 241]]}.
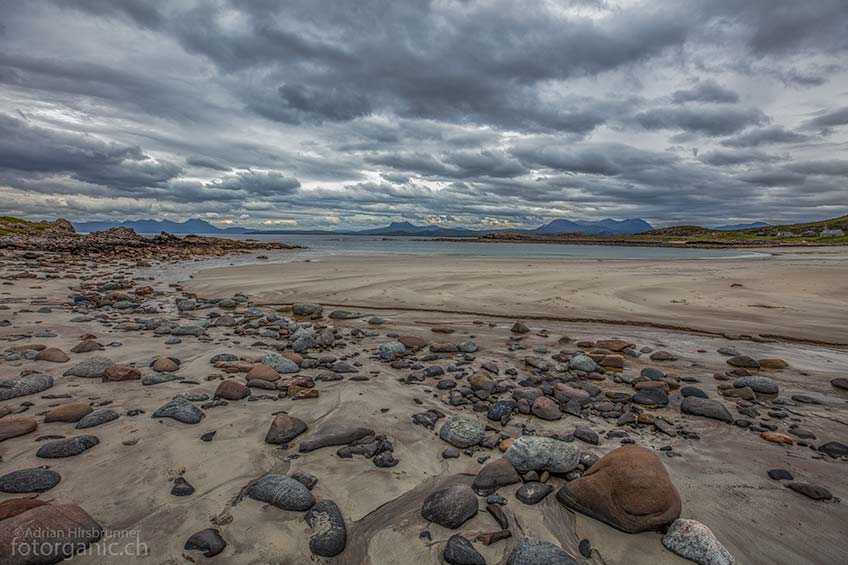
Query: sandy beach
{"points": [[719, 469], [794, 294]]}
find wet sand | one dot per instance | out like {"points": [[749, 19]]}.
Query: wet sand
{"points": [[797, 295]]}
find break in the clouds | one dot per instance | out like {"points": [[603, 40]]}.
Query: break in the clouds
{"points": [[483, 113]]}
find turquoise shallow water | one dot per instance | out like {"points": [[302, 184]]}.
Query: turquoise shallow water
{"points": [[344, 245]]}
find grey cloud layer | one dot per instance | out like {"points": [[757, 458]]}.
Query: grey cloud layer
{"points": [[459, 111]]}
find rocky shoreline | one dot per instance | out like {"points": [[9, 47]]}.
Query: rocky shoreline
{"points": [[215, 427], [60, 237]]}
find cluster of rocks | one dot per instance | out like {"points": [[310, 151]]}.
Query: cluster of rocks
{"points": [[329, 532], [61, 237], [628, 489]]}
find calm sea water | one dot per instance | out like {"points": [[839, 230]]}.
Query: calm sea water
{"points": [[322, 245]]}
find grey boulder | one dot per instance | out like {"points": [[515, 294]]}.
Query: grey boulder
{"points": [[536, 453], [279, 363], [91, 368], [97, 418], [181, 410], [762, 385], [707, 408], [459, 551], [283, 492], [462, 431], [67, 447], [536, 552], [694, 541], [23, 386], [329, 534], [450, 507], [29, 480]]}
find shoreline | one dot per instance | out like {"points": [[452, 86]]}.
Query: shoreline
{"points": [[614, 242], [796, 297]]}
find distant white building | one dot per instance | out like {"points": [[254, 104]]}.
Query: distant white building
{"points": [[785, 234], [831, 233]]}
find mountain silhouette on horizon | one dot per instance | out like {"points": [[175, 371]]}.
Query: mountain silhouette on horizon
{"points": [[558, 226]]}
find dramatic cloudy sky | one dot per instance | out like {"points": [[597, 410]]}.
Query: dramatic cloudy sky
{"points": [[483, 113]]}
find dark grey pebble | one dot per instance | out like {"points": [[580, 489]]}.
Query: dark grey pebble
{"points": [[97, 418], [182, 487], [66, 447], [29, 480], [329, 534], [209, 541]]}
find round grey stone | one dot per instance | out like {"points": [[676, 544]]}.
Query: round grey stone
{"points": [[450, 507], [67, 447], [535, 453], [29, 480], [459, 551], [762, 385], [283, 492], [279, 363], [536, 552], [707, 408], [97, 418], [329, 534], [91, 368], [180, 410], [694, 541], [462, 431], [581, 362], [391, 350], [533, 492], [23, 386], [209, 541]]}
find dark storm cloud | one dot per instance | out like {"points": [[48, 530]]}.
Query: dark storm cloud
{"points": [[828, 119], [273, 183], [607, 159], [722, 157], [711, 120], [145, 13], [780, 27], [765, 136], [206, 163], [705, 91], [775, 177], [477, 112], [29, 149], [835, 168]]}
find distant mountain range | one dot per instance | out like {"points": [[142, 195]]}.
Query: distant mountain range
{"points": [[555, 227], [193, 226], [734, 227]]}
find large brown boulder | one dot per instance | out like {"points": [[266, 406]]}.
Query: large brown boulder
{"points": [[16, 426], [55, 531], [628, 488]]}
